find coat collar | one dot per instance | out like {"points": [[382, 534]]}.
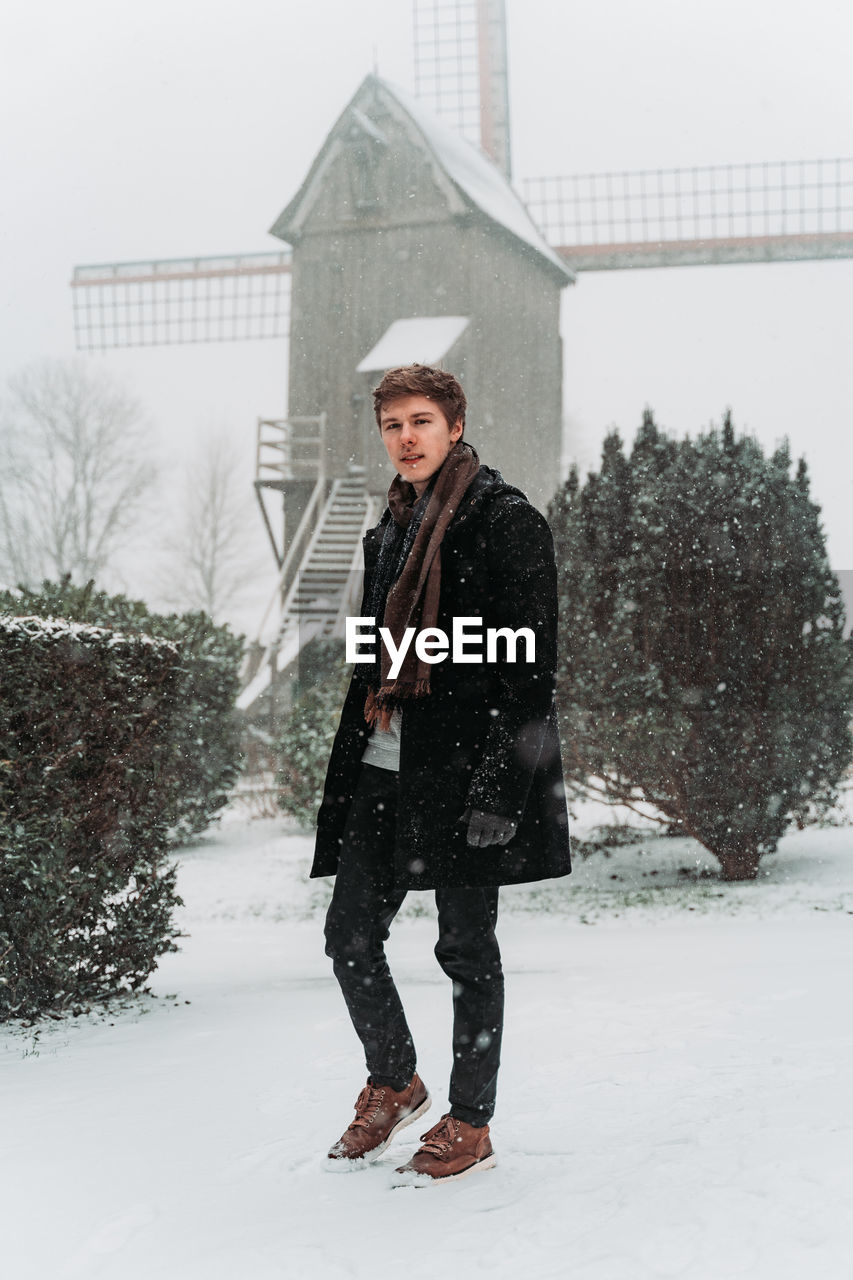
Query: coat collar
{"points": [[487, 484]]}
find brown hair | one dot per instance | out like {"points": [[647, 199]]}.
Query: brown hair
{"points": [[422, 380]]}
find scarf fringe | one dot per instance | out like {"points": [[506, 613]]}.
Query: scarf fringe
{"points": [[379, 706]]}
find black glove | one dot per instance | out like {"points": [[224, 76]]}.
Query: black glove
{"points": [[488, 828]]}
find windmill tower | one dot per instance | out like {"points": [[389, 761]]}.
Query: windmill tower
{"points": [[408, 244], [452, 265]]}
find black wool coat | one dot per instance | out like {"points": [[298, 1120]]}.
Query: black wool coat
{"points": [[486, 735]]}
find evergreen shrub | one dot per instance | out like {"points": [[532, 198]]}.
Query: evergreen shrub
{"points": [[205, 734], [309, 729], [703, 664], [86, 743]]}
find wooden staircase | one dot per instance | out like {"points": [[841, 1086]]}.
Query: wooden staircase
{"points": [[332, 555], [327, 585]]}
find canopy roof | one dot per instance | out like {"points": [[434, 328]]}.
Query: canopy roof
{"points": [[416, 340]]}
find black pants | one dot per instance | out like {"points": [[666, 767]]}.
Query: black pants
{"points": [[359, 919]]}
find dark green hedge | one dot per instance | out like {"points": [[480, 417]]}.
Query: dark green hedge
{"points": [[205, 735], [118, 741], [86, 746], [309, 728], [703, 662]]}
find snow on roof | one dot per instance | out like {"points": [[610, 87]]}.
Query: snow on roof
{"points": [[477, 176], [417, 340]]}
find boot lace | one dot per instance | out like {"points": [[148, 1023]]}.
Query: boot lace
{"points": [[441, 1138], [367, 1105]]}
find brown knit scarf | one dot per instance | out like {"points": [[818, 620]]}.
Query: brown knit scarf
{"points": [[413, 599]]}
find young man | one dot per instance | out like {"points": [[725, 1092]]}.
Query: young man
{"points": [[445, 773]]}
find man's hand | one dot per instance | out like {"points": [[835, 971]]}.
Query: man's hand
{"points": [[488, 828]]}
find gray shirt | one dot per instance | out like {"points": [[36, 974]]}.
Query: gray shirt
{"points": [[383, 745]]}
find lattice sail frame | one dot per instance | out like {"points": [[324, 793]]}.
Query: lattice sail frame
{"points": [[446, 53], [239, 297], [752, 212], [461, 70]]}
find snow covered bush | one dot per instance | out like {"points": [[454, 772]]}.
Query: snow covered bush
{"points": [[205, 731], [309, 728], [86, 733], [703, 668]]}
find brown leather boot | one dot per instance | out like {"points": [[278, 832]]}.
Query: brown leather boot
{"points": [[452, 1149], [380, 1113]]}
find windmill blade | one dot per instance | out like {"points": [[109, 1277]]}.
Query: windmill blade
{"points": [[234, 298], [461, 69], [780, 211]]}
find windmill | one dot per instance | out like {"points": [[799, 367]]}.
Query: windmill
{"points": [[318, 475]]}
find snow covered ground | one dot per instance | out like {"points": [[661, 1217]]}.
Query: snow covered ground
{"points": [[674, 1097]]}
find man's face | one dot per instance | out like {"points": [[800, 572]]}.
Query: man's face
{"points": [[417, 438]]}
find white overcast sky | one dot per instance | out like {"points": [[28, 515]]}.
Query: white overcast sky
{"points": [[183, 127]]}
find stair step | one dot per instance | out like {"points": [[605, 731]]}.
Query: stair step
{"points": [[324, 579]]}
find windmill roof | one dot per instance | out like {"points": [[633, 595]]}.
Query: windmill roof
{"points": [[472, 174], [477, 176]]}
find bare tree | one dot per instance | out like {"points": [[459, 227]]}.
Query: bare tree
{"points": [[211, 557], [73, 471]]}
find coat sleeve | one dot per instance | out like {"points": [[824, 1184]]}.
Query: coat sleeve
{"points": [[522, 592]]}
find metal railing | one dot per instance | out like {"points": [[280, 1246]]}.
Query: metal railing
{"points": [[290, 449]]}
